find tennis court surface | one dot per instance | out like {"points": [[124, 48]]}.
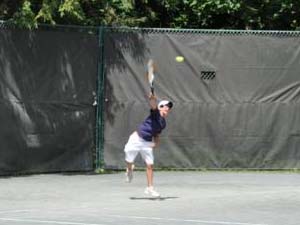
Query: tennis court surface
{"points": [[188, 198]]}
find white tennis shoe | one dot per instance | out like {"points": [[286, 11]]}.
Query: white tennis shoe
{"points": [[151, 191]]}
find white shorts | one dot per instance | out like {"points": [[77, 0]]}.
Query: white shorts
{"points": [[136, 145]]}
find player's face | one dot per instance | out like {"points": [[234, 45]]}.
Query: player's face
{"points": [[164, 111]]}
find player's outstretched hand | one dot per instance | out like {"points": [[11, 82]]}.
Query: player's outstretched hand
{"points": [[152, 96]]}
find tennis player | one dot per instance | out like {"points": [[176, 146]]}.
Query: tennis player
{"points": [[145, 138]]}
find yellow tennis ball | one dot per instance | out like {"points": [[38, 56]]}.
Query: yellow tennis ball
{"points": [[179, 58]]}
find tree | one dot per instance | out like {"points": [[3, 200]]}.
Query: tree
{"points": [[197, 14]]}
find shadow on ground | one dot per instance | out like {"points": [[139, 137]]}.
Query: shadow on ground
{"points": [[152, 198]]}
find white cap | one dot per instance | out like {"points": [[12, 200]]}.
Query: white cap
{"points": [[165, 102]]}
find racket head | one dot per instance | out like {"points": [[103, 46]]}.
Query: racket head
{"points": [[151, 69], [150, 78]]}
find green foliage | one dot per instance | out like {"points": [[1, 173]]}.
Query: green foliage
{"points": [[208, 14], [267, 14], [25, 17], [71, 9], [47, 11]]}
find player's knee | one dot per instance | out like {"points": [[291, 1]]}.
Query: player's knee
{"points": [[149, 166]]}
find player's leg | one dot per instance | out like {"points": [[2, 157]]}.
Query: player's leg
{"points": [[130, 156], [129, 171], [131, 150], [147, 155], [149, 173]]}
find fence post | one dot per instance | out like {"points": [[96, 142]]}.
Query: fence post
{"points": [[100, 102]]}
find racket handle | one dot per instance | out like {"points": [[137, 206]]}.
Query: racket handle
{"points": [[152, 90]]}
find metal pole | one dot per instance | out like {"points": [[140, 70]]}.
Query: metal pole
{"points": [[100, 102]]}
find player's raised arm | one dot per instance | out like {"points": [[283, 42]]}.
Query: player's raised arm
{"points": [[153, 101]]}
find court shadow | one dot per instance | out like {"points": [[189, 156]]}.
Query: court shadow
{"points": [[153, 198]]}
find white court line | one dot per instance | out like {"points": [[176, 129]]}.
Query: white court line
{"points": [[47, 221], [129, 217], [250, 193], [187, 220], [15, 211]]}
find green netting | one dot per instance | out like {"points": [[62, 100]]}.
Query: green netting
{"points": [[236, 96], [121, 53], [47, 85]]}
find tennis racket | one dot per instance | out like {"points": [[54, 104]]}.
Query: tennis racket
{"points": [[151, 68]]}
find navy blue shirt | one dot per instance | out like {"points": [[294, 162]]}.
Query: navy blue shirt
{"points": [[152, 125]]}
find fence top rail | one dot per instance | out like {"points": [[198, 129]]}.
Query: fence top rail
{"points": [[205, 31], [9, 25]]}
